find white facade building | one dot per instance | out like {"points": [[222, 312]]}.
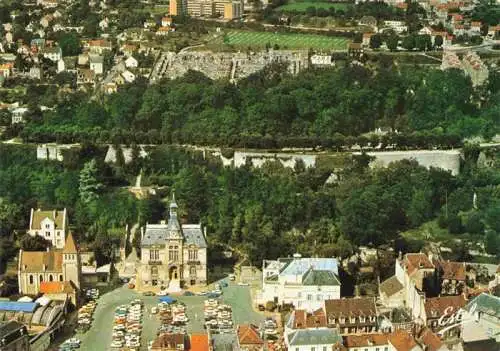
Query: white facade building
{"points": [[131, 62], [303, 282], [322, 60], [397, 26], [51, 225]]}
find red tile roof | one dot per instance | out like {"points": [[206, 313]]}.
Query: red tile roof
{"points": [[248, 335], [429, 339], [351, 341], [402, 340], [56, 287], [171, 341], [303, 320], [415, 261], [350, 307], [452, 270], [438, 306], [199, 342]]}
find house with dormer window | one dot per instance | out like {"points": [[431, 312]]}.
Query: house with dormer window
{"points": [[50, 225], [351, 315]]}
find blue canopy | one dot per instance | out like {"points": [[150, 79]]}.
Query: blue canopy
{"points": [[18, 306], [167, 299]]}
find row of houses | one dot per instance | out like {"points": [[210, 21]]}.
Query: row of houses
{"points": [[429, 292]]}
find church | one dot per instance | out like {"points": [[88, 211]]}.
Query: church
{"points": [[37, 269], [173, 255]]}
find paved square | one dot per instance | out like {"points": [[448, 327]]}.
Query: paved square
{"points": [[98, 337]]}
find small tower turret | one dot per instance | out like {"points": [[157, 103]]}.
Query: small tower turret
{"points": [[71, 261]]}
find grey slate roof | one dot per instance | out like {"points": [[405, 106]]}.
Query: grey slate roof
{"points": [[314, 337], [193, 235], [158, 234], [155, 234], [320, 277], [485, 303], [224, 342]]}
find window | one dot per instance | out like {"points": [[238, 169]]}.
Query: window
{"points": [[193, 255], [173, 253], [31, 279], [154, 255], [47, 226], [51, 278], [58, 233], [313, 349], [41, 278], [386, 348], [319, 297], [47, 233], [324, 348], [60, 277], [192, 271], [299, 294], [309, 298], [296, 349], [377, 349]]}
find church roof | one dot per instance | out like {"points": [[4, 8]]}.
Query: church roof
{"points": [[35, 261], [69, 246]]}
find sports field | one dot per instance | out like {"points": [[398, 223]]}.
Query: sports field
{"points": [[285, 40], [302, 6]]}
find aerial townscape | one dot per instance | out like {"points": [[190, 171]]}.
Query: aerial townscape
{"points": [[250, 175]]}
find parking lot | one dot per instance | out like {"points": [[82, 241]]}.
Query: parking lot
{"points": [[99, 336]]}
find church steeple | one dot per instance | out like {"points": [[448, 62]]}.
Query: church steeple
{"points": [[174, 227], [173, 206]]}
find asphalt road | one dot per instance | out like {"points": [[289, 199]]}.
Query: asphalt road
{"points": [[98, 337]]}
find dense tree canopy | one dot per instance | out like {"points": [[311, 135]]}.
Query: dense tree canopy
{"points": [[316, 107]]}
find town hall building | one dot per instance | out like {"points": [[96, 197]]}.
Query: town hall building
{"points": [[173, 255]]}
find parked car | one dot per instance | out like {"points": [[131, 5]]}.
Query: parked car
{"points": [[148, 293]]}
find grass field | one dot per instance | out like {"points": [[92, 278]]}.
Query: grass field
{"points": [[285, 40], [303, 5]]}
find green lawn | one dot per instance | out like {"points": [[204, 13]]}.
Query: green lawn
{"points": [[285, 40], [303, 5]]}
